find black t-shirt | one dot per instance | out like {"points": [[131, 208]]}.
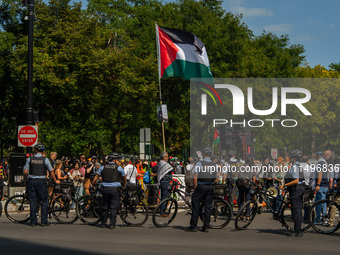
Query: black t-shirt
{"points": [[154, 170], [87, 175]]}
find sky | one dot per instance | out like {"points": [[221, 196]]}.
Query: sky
{"points": [[314, 24]]}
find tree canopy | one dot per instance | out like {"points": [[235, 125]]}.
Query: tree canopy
{"points": [[96, 77]]}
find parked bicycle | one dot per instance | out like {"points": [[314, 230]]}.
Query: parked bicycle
{"points": [[248, 211], [17, 207], [221, 209], [133, 211], [330, 222]]}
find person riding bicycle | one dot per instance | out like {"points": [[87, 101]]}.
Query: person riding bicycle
{"points": [[204, 177], [296, 189], [113, 174], [35, 169]]}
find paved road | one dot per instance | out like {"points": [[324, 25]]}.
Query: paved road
{"points": [[265, 236]]}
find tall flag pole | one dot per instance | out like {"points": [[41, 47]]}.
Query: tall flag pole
{"points": [[159, 82], [180, 53]]}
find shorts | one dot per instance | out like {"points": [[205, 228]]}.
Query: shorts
{"points": [[87, 183]]}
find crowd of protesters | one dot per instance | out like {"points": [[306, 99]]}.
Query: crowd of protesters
{"points": [[320, 173], [82, 170], [271, 173]]}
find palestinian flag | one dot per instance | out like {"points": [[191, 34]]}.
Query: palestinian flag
{"points": [[181, 54], [216, 136]]}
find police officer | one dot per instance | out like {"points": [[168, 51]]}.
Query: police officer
{"points": [[112, 175], [36, 170], [296, 189], [204, 190]]}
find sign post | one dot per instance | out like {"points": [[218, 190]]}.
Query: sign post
{"points": [[274, 153], [145, 139], [27, 136]]}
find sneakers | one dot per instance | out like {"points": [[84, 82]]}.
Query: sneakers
{"points": [[328, 224], [111, 226], [191, 229], [44, 225], [296, 234], [205, 229], [30, 224], [299, 234]]}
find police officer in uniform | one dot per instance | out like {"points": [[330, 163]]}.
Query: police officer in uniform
{"points": [[294, 183], [204, 190], [36, 170], [112, 175]]}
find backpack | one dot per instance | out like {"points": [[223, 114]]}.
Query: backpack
{"points": [[243, 183], [133, 194], [147, 177], [66, 192], [189, 177]]}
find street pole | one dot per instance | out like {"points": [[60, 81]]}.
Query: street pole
{"points": [[29, 109]]}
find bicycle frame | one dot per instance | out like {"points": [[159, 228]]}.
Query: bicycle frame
{"points": [[260, 192], [181, 193]]}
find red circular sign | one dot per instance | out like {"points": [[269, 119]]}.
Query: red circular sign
{"points": [[27, 136]]}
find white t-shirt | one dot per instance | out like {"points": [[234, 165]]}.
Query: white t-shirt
{"points": [[130, 173], [190, 168], [306, 172]]}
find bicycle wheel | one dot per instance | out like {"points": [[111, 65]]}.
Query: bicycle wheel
{"points": [[89, 209], [328, 223], [17, 209], [134, 215], [62, 211], [246, 215], [169, 214], [220, 213], [287, 220]]}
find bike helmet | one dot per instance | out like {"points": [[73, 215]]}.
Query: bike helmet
{"points": [[297, 154], [207, 151], [39, 147], [113, 156]]}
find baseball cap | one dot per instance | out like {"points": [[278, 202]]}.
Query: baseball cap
{"points": [[319, 153]]}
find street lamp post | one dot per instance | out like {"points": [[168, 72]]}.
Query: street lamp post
{"points": [[29, 109]]}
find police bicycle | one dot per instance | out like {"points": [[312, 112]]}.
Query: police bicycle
{"points": [[17, 207], [132, 210], [221, 212], [330, 222], [247, 212]]}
